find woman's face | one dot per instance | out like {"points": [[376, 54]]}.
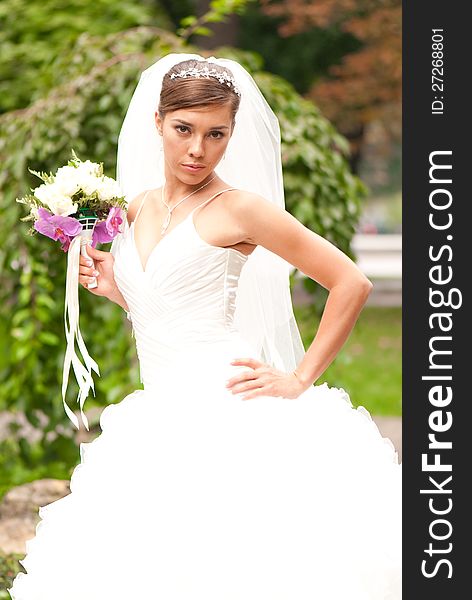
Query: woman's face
{"points": [[196, 136]]}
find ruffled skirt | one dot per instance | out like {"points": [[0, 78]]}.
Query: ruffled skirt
{"points": [[191, 493]]}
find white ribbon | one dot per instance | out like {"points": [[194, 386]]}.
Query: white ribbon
{"points": [[71, 310]]}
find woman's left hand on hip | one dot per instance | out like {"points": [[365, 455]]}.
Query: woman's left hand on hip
{"points": [[263, 380]]}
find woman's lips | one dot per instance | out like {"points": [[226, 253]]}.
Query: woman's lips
{"points": [[191, 168]]}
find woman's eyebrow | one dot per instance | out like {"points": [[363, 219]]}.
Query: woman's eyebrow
{"points": [[191, 125]]}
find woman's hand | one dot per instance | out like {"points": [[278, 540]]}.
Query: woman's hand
{"points": [[103, 271], [264, 380]]}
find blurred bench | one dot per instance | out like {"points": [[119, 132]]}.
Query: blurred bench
{"points": [[379, 256]]}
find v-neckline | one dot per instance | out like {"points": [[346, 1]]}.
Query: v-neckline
{"points": [[144, 269]]}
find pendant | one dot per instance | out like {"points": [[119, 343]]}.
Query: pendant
{"points": [[166, 223]]}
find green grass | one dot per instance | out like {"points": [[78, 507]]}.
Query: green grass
{"points": [[368, 366]]}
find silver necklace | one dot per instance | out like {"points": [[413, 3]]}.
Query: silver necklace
{"points": [[165, 225]]}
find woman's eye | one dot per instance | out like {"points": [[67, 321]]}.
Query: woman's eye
{"points": [[213, 134]]}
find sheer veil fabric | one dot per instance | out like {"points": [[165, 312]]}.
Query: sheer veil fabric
{"points": [[264, 311]]}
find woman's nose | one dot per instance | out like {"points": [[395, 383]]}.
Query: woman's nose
{"points": [[196, 148]]}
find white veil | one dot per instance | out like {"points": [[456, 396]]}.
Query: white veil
{"points": [[264, 312]]}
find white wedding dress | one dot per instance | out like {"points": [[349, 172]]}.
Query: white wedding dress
{"points": [[191, 493]]}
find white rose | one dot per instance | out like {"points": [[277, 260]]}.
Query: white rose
{"points": [[62, 205], [67, 183], [108, 189], [52, 196], [89, 183], [66, 173], [42, 192], [88, 168]]}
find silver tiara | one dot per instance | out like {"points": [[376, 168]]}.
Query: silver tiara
{"points": [[223, 77]]}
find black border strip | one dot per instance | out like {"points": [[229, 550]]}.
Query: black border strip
{"points": [[437, 232]]}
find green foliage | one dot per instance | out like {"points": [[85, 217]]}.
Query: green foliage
{"points": [[300, 57], [320, 190], [22, 461], [35, 35], [218, 13], [85, 112], [9, 567]]}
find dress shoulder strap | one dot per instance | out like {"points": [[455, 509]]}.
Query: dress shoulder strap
{"points": [[211, 198], [140, 206]]}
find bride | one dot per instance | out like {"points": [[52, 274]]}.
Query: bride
{"points": [[230, 476]]}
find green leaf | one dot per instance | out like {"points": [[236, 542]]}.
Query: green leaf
{"points": [[215, 18], [188, 21], [48, 338], [204, 31]]}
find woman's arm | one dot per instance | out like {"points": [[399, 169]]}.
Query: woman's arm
{"points": [[343, 305], [277, 230], [117, 297], [103, 271]]}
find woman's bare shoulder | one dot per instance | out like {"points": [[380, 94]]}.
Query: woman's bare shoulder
{"points": [[239, 201]]}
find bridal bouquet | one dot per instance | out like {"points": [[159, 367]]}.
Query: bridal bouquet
{"points": [[77, 206]]}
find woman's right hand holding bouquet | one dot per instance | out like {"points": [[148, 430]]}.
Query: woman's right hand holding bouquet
{"points": [[103, 271]]}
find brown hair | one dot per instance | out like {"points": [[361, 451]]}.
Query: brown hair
{"points": [[190, 92]]}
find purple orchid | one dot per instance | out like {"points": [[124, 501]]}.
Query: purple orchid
{"points": [[57, 227], [105, 231]]}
